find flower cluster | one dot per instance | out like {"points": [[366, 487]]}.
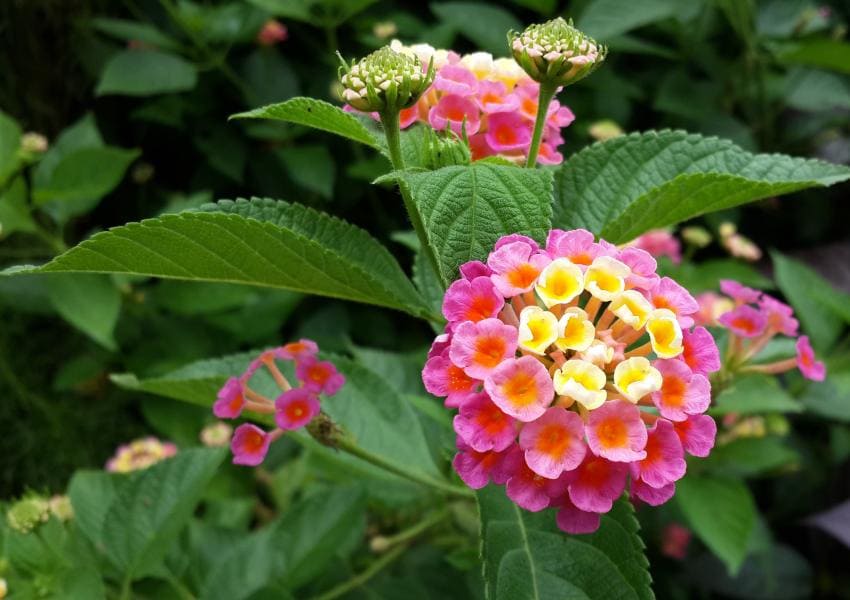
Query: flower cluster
{"points": [[385, 80], [140, 454], [753, 319], [294, 407], [492, 100], [574, 368], [660, 242]]}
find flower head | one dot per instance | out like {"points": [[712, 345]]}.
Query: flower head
{"points": [[556, 53], [140, 454], [573, 368], [810, 367], [385, 80]]}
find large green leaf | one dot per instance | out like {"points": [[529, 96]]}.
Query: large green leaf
{"points": [[625, 186], [261, 242], [151, 508], [90, 173], [527, 557], [145, 73], [484, 23], [10, 142], [722, 512], [316, 114], [607, 18], [754, 394], [751, 456], [90, 303], [465, 209]]}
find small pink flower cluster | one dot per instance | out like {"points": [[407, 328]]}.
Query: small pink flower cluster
{"points": [[140, 454], [660, 242], [753, 318], [294, 408], [493, 99], [272, 32], [574, 368]]}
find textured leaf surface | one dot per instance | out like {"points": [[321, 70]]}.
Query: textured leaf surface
{"points": [[527, 557], [467, 208], [625, 186], [316, 114], [722, 512], [145, 73], [262, 242]]}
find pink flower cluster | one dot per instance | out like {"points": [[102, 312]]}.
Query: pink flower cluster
{"points": [[753, 318], [576, 373], [660, 242], [294, 408], [140, 454], [492, 99]]}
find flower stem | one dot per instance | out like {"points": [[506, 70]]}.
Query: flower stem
{"points": [[382, 544], [364, 576], [547, 92], [389, 120]]}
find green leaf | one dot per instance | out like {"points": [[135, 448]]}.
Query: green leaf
{"points": [[146, 73], [316, 114], [270, 78], [625, 186], [92, 493], [722, 512], [152, 506], [527, 557], [327, 13], [465, 209], [807, 89], [754, 394], [310, 167], [87, 174], [262, 242], [821, 308], [127, 30], [604, 19], [483, 23], [824, 53], [831, 398], [10, 143], [15, 210], [752, 456], [90, 303], [705, 276]]}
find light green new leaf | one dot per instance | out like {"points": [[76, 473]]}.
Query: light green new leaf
{"points": [[625, 186], [261, 242], [90, 303], [151, 507], [722, 512], [87, 174], [10, 143], [526, 557], [146, 73], [754, 394], [465, 209], [316, 114]]}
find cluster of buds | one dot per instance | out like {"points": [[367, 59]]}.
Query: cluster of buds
{"points": [[294, 407], [556, 53], [737, 245], [140, 454], [574, 369], [386, 81], [753, 318], [491, 102], [29, 512], [660, 242]]}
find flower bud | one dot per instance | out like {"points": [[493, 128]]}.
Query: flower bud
{"points": [[696, 236], [34, 143], [60, 507], [27, 513], [385, 80], [556, 52]]}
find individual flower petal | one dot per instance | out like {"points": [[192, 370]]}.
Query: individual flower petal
{"points": [[575, 330], [650, 495], [711, 306], [440, 345], [670, 295], [560, 282], [598, 353], [473, 300], [474, 268], [810, 367], [632, 308], [319, 376], [516, 267], [616, 432], [446, 380], [597, 483], [699, 351], [295, 408], [249, 445], [230, 400], [739, 291], [665, 458], [605, 278], [480, 63], [665, 333], [521, 387], [478, 348], [582, 381], [477, 468], [573, 520], [299, 350], [538, 329], [643, 267], [456, 79], [744, 321], [780, 316], [483, 425], [507, 132], [455, 112], [554, 442], [516, 237], [548, 154], [682, 393], [531, 491], [697, 434], [636, 377]]}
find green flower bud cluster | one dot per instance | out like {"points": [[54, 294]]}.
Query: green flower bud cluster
{"points": [[556, 53], [385, 80], [26, 514]]}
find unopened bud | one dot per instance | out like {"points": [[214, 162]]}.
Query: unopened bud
{"points": [[605, 130], [696, 236], [385, 80], [556, 53], [379, 544], [384, 29], [60, 507], [33, 143], [216, 435], [26, 514]]}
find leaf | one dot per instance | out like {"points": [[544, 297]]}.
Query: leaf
{"points": [[807, 89], [625, 186], [483, 23], [87, 174], [10, 143], [823, 53], [316, 114], [705, 276], [527, 557], [310, 167], [146, 73], [606, 18], [261, 242], [831, 398], [465, 209], [754, 394], [91, 493], [328, 13], [751, 456], [14, 209], [820, 307], [722, 512], [127, 30], [152, 506], [270, 78], [90, 303]]}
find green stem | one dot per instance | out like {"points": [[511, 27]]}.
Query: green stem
{"points": [[361, 578], [389, 120], [126, 588], [410, 533], [547, 92]]}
